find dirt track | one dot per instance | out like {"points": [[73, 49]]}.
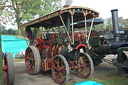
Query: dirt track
{"points": [[45, 78]]}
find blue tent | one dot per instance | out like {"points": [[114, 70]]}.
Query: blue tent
{"points": [[13, 44]]}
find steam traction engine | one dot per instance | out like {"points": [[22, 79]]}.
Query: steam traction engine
{"points": [[59, 51], [8, 68], [118, 46]]}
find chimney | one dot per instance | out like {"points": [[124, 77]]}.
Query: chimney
{"points": [[67, 3], [115, 24]]}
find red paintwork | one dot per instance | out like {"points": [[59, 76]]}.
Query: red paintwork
{"points": [[52, 50], [93, 33], [30, 67], [5, 69], [79, 37], [49, 65], [43, 65], [71, 63], [81, 45]]}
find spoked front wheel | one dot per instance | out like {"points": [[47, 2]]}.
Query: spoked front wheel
{"points": [[85, 65], [60, 69], [32, 60], [9, 68]]}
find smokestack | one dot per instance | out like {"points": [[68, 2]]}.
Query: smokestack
{"points": [[67, 3], [115, 24]]}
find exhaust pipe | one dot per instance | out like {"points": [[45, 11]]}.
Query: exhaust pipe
{"points": [[115, 24], [67, 3]]}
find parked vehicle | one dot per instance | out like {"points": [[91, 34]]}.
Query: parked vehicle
{"points": [[8, 68], [58, 48], [110, 43]]}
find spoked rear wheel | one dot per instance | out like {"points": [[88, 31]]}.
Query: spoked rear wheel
{"points": [[123, 70], [85, 64], [60, 69], [32, 60], [9, 68]]}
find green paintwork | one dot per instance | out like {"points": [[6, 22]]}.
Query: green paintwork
{"points": [[1, 63], [119, 52], [104, 49], [94, 41]]}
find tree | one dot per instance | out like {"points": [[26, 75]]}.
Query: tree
{"points": [[121, 22], [109, 23], [21, 11]]}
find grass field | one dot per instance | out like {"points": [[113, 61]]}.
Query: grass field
{"points": [[106, 78]]}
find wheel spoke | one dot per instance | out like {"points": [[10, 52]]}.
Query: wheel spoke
{"points": [[54, 66], [85, 60], [56, 73], [81, 70], [29, 66], [62, 77], [63, 71], [87, 68], [62, 64], [57, 62], [28, 58]]}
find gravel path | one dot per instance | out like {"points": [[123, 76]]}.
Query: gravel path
{"points": [[45, 78]]}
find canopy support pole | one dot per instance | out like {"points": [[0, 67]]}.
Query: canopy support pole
{"points": [[85, 29], [72, 27], [65, 27], [90, 29]]}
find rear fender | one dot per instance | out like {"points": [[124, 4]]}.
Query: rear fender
{"points": [[122, 53], [81, 46]]}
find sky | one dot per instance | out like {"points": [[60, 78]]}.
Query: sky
{"points": [[104, 7]]}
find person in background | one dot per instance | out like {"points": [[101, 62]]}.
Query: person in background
{"points": [[22, 53], [3, 55]]}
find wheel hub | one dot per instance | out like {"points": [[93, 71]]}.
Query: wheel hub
{"points": [[30, 60], [83, 65]]}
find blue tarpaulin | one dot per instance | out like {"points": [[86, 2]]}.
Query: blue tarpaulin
{"points": [[88, 83], [13, 44]]}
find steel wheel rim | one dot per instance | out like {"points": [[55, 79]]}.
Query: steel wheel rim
{"points": [[84, 69], [29, 61], [59, 71]]}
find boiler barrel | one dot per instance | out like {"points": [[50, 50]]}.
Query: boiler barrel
{"points": [[105, 49]]}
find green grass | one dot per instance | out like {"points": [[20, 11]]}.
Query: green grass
{"points": [[18, 60], [113, 79], [117, 81]]}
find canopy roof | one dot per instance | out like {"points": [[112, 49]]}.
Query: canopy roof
{"points": [[89, 21], [53, 19]]}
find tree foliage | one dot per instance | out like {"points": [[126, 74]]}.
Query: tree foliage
{"points": [[20, 11], [123, 23], [7, 31]]}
